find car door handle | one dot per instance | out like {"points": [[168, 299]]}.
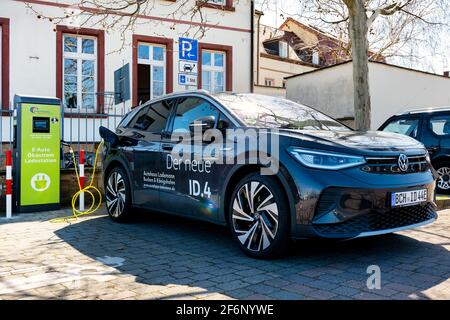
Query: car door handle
{"points": [[167, 147]]}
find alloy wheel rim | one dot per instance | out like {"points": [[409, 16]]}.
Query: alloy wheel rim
{"points": [[255, 216], [444, 178], [115, 194]]}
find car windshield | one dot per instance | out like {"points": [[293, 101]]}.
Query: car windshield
{"points": [[274, 112]]}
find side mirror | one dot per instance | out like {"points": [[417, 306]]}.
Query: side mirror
{"points": [[205, 123], [109, 136], [223, 125]]}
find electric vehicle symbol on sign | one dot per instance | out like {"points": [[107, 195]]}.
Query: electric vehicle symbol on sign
{"points": [[329, 181]]}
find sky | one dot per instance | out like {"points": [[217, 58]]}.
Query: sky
{"points": [[431, 61]]}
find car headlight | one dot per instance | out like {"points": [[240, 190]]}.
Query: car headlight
{"points": [[325, 160], [427, 157]]}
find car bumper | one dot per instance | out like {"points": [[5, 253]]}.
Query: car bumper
{"points": [[351, 203], [376, 223]]}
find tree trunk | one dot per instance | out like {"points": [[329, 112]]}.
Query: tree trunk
{"points": [[358, 30]]}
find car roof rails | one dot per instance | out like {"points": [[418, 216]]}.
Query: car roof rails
{"points": [[426, 110]]}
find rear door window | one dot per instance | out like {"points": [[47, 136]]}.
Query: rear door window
{"points": [[440, 125], [406, 126]]}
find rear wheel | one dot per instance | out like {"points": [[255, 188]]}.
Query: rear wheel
{"points": [[443, 181], [117, 194], [259, 217]]}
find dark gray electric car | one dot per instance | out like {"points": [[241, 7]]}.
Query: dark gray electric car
{"points": [[305, 175]]}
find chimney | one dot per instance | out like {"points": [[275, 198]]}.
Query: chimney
{"points": [[447, 74]]}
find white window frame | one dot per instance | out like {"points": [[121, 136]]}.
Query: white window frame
{"points": [[283, 49], [217, 2], [215, 69], [315, 57], [269, 82], [80, 56], [154, 63]]}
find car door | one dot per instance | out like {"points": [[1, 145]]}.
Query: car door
{"points": [[195, 178], [438, 134], [147, 128]]}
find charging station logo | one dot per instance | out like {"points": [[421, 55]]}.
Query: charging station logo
{"points": [[37, 111], [40, 182]]}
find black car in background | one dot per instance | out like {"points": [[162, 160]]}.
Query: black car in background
{"points": [[331, 181], [432, 128]]}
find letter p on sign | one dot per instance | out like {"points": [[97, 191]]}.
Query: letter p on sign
{"points": [[188, 49]]}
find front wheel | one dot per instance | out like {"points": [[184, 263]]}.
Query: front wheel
{"points": [[259, 217], [118, 195], [443, 181]]}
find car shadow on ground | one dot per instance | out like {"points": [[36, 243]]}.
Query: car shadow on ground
{"points": [[162, 250]]}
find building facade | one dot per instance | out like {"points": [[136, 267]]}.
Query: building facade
{"points": [[295, 48], [46, 55], [393, 90]]}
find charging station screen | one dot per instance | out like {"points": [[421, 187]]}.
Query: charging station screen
{"points": [[41, 125]]}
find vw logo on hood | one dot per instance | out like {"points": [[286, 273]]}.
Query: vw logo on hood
{"points": [[403, 162]]}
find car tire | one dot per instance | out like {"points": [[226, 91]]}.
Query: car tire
{"points": [[118, 195], [261, 226], [443, 181]]}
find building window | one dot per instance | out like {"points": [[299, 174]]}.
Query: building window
{"points": [[226, 5], [315, 57], [283, 49], [217, 2], [217, 62], [80, 69], [269, 82], [80, 72], [213, 71], [151, 71], [152, 74]]}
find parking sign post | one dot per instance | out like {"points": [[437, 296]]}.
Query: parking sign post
{"points": [[188, 62]]}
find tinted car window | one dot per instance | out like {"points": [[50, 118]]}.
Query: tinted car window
{"points": [[440, 125], [274, 112], [407, 127], [191, 109], [152, 118], [127, 118]]}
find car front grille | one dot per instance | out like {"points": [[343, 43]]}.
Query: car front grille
{"points": [[389, 165], [374, 221]]}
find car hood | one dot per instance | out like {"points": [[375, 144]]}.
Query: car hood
{"points": [[355, 141]]}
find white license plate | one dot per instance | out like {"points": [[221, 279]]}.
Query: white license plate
{"points": [[408, 198]]}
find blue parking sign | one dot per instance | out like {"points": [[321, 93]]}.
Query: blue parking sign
{"points": [[188, 49]]}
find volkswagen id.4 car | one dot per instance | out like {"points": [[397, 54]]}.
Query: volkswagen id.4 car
{"points": [[304, 175]]}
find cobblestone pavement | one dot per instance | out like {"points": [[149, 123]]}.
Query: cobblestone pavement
{"points": [[163, 257]]}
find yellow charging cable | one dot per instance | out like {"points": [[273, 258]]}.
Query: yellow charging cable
{"points": [[89, 189]]}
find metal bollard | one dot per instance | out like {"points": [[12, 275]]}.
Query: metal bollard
{"points": [[81, 164], [8, 184]]}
